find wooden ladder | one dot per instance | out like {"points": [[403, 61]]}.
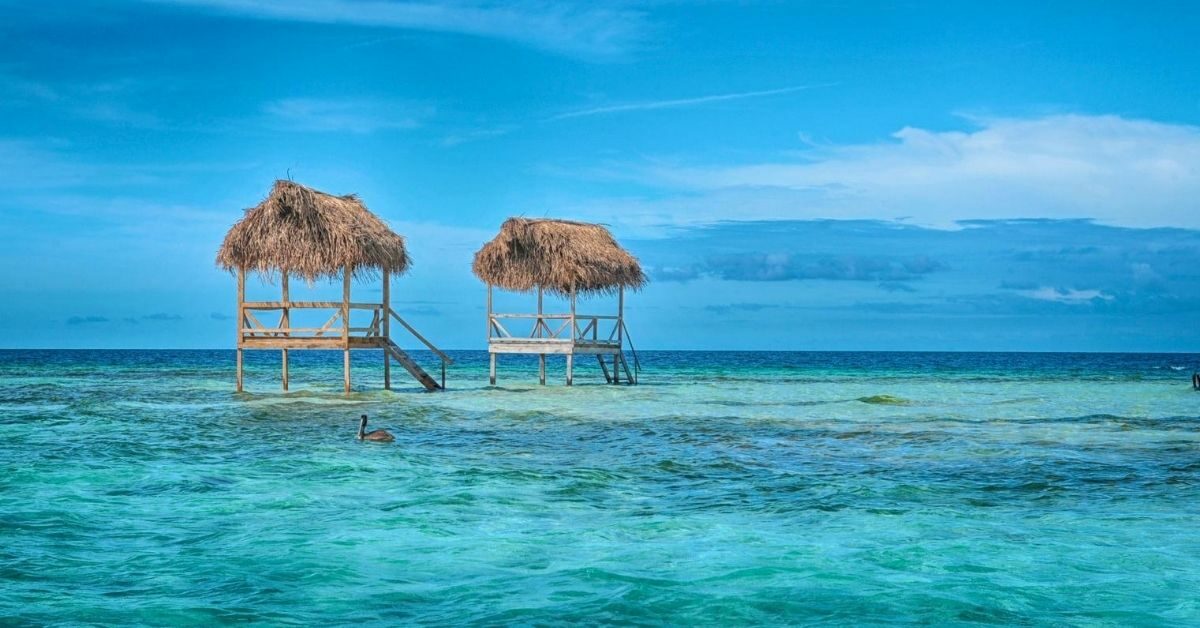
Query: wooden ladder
{"points": [[398, 354]]}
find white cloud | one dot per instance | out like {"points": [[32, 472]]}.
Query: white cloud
{"points": [[1115, 170], [350, 116], [576, 29], [676, 103], [1070, 296]]}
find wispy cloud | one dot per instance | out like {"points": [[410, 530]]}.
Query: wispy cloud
{"points": [[676, 103], [796, 267], [1070, 296], [162, 317], [86, 320], [475, 135], [1112, 169], [575, 29], [349, 116]]}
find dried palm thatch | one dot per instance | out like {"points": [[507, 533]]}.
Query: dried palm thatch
{"points": [[559, 256], [312, 235]]}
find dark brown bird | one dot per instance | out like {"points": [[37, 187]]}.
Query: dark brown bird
{"points": [[379, 436]]}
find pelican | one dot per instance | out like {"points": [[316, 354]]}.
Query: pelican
{"points": [[379, 436]]}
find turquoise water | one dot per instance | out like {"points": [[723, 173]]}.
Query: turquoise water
{"points": [[823, 488]]}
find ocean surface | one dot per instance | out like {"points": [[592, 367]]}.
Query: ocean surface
{"points": [[726, 489]]}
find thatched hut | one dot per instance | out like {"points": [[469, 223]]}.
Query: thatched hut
{"points": [[569, 259], [298, 231]]}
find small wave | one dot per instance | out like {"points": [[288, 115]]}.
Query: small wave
{"points": [[885, 400]]}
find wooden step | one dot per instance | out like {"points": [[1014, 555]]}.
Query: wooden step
{"points": [[409, 365]]}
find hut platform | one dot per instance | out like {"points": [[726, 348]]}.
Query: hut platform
{"points": [[568, 259], [301, 232]]}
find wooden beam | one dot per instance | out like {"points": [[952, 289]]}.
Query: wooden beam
{"points": [[492, 368], [241, 320], [308, 305], [346, 275], [387, 329], [571, 356], [620, 312], [285, 321]]}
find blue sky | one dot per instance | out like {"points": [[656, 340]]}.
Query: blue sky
{"points": [[794, 175]]}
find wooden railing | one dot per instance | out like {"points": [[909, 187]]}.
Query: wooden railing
{"points": [[551, 327], [438, 352], [335, 326]]}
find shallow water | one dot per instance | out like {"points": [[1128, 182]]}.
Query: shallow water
{"points": [[835, 488]]}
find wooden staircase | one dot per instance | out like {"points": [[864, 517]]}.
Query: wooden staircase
{"points": [[396, 353]]}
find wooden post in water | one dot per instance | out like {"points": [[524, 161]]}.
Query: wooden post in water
{"points": [[491, 356], [346, 272], [285, 321], [571, 355], [620, 330], [387, 329], [539, 326], [241, 317]]}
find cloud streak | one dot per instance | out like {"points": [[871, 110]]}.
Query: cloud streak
{"points": [[1115, 170], [579, 30], [350, 116], [676, 103]]}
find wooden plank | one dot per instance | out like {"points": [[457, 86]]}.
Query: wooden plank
{"points": [[604, 368], [531, 348], [308, 305], [549, 316], [628, 376], [324, 328], [411, 366]]}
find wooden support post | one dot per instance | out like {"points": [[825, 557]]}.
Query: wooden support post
{"points": [[489, 312], [492, 368], [540, 327], [620, 315], [241, 320], [346, 274], [387, 330], [285, 322], [616, 372], [571, 356]]}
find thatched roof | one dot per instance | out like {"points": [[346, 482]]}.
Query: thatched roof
{"points": [[311, 234], [558, 256]]}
